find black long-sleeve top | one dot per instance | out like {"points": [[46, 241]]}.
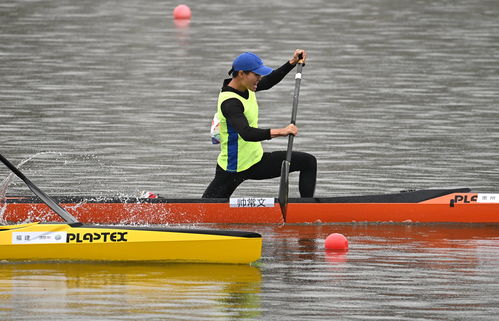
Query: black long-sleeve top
{"points": [[233, 109]]}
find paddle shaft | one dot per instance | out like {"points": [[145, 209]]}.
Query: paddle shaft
{"points": [[44, 197], [286, 164], [295, 110]]}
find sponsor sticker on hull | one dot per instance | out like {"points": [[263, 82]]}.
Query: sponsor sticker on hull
{"points": [[487, 198], [252, 202], [65, 237], [38, 237]]}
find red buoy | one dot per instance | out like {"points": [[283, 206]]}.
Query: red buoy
{"points": [[182, 11], [336, 241]]}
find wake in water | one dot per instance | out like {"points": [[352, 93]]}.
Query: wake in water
{"points": [[3, 200], [68, 160], [4, 185]]}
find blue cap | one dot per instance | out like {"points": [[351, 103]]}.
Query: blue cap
{"points": [[248, 61]]}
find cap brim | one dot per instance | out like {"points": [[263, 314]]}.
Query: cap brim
{"points": [[263, 70]]}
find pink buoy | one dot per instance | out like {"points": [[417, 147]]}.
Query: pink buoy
{"points": [[182, 12], [336, 241]]}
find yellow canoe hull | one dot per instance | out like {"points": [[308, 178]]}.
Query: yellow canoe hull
{"points": [[76, 242]]}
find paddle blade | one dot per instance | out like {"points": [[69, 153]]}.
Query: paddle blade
{"points": [[284, 188], [38, 192]]}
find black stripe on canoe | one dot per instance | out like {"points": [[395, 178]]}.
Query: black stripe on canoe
{"points": [[402, 197], [149, 229], [179, 230]]}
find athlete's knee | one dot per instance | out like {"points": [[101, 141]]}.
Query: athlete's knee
{"points": [[312, 161], [303, 162], [309, 161]]}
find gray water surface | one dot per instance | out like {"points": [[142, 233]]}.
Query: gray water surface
{"points": [[114, 97]]}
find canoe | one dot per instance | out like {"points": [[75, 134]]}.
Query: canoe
{"points": [[79, 242], [427, 206], [74, 241]]}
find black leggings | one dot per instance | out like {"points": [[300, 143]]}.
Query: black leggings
{"points": [[225, 183]]}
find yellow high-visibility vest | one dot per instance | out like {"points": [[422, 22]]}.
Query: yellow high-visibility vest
{"points": [[236, 154]]}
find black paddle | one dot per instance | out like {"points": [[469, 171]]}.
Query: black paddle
{"points": [[286, 164], [44, 197]]}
